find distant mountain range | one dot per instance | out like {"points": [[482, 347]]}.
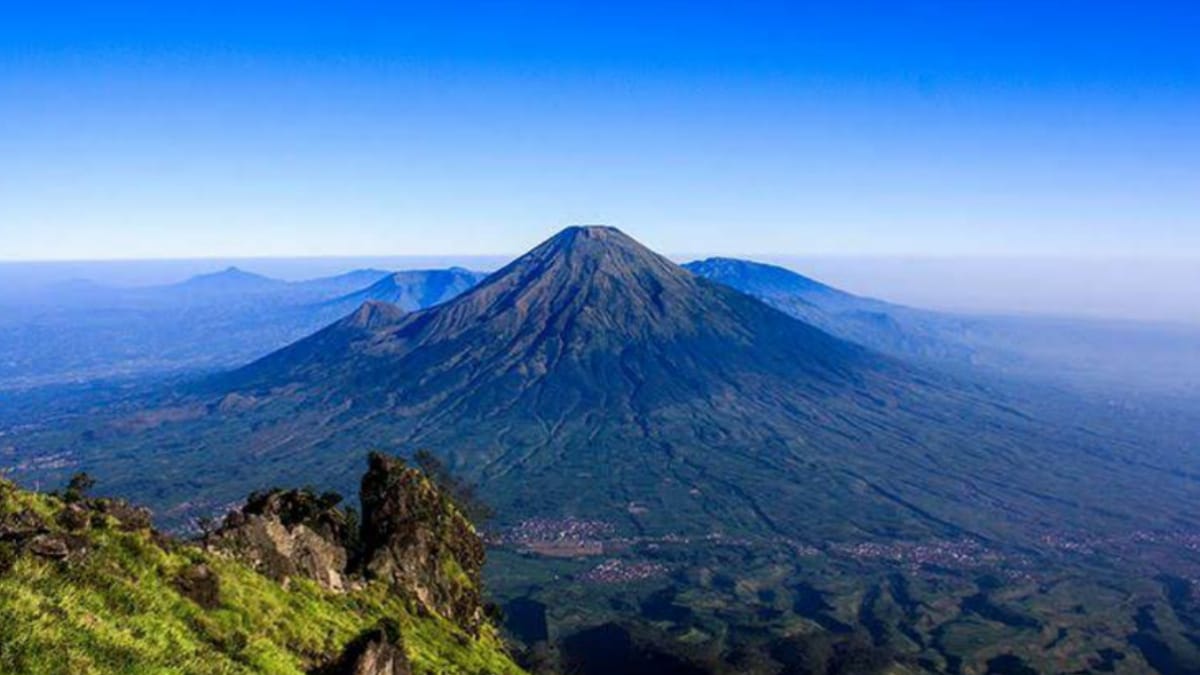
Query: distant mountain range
{"points": [[785, 476], [595, 378], [1120, 359], [414, 289], [883, 326], [81, 332]]}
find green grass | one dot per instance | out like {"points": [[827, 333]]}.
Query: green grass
{"points": [[115, 610]]}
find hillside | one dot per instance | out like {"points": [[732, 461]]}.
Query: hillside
{"points": [[91, 333], [1122, 360], [740, 490], [594, 378], [413, 289], [97, 590]]}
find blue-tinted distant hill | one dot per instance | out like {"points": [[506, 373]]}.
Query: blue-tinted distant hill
{"points": [[82, 331], [413, 289], [235, 286], [231, 279], [1112, 357], [763, 468], [594, 378]]}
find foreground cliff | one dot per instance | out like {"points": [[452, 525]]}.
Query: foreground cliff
{"points": [[288, 584]]}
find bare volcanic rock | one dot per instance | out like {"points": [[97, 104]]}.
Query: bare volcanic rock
{"points": [[21, 525], [415, 539], [286, 534]]}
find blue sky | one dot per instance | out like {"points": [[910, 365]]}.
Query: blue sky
{"points": [[128, 130]]}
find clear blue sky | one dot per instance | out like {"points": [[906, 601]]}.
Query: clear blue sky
{"points": [[953, 128]]}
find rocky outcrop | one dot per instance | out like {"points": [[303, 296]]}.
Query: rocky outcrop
{"points": [[287, 534], [58, 546], [200, 584], [21, 525], [379, 651], [128, 517], [415, 539], [63, 537], [53, 548]]}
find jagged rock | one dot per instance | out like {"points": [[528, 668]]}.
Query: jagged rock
{"points": [[57, 546], [288, 534], [131, 518], [21, 525], [414, 539], [49, 546], [80, 515], [74, 517], [379, 651], [200, 584]]}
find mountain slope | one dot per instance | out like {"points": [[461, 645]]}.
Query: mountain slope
{"points": [[886, 327], [668, 452], [594, 377], [762, 280], [95, 590], [1115, 358], [414, 289]]}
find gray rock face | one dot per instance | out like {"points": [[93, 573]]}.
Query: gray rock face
{"points": [[49, 546], [381, 658], [21, 526], [413, 539], [289, 534], [57, 546], [416, 540]]}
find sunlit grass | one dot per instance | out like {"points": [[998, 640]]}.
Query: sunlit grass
{"points": [[115, 610]]}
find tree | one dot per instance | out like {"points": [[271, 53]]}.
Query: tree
{"points": [[78, 487]]}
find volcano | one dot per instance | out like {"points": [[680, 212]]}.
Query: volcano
{"points": [[414, 289], [594, 378]]}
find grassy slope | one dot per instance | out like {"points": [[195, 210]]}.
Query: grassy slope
{"points": [[115, 610]]}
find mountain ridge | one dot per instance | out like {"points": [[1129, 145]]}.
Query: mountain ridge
{"points": [[665, 451], [414, 289], [593, 349], [594, 378]]}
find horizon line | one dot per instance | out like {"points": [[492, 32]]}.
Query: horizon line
{"points": [[915, 256]]}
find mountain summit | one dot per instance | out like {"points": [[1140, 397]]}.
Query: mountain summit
{"points": [[594, 377], [230, 278], [592, 284], [413, 289], [588, 318]]}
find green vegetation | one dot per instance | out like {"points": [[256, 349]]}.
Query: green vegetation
{"points": [[767, 496], [114, 605]]}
